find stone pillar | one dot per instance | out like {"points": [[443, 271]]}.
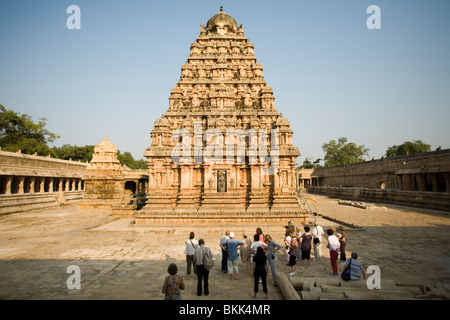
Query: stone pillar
{"points": [[21, 182], [447, 181], [286, 287], [32, 182], [42, 184], [60, 185], [434, 181], [293, 183], [8, 184], [400, 182], [50, 185], [411, 182], [66, 188], [422, 182], [79, 185]]}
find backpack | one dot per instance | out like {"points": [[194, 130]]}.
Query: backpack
{"points": [[208, 262], [345, 275]]}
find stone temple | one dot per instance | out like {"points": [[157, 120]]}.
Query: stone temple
{"points": [[221, 152]]}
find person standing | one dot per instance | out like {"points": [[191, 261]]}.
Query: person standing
{"points": [[293, 252], [343, 243], [191, 245], [333, 245], [272, 247], [225, 237], [305, 244], [246, 254], [173, 283], [257, 243], [260, 268], [317, 241], [232, 246], [261, 235], [298, 234], [290, 226], [202, 272], [287, 243]]}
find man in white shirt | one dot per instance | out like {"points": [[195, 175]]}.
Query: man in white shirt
{"points": [[256, 243], [191, 245], [224, 238], [333, 245], [317, 234]]}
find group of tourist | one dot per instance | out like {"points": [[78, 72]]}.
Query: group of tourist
{"points": [[259, 255]]}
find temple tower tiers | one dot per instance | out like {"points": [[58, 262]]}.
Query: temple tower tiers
{"points": [[103, 179], [222, 115], [109, 185]]}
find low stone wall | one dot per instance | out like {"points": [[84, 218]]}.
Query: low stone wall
{"points": [[23, 202], [142, 217], [430, 200]]}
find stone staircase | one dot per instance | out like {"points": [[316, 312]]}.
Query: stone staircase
{"points": [[31, 201]]}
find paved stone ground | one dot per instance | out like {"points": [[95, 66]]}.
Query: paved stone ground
{"points": [[120, 260]]}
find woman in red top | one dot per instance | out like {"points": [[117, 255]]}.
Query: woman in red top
{"points": [[262, 237]]}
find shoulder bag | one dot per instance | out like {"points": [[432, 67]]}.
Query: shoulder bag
{"points": [[345, 275]]}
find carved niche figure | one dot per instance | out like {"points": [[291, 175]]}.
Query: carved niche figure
{"points": [[221, 181]]}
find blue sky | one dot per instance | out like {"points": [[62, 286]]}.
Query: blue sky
{"points": [[332, 76]]}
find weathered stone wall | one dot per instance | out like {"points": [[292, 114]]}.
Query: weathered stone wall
{"points": [[422, 172], [16, 164], [429, 200], [32, 182], [421, 180]]}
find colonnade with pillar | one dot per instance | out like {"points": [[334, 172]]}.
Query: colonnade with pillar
{"points": [[10, 184], [431, 181]]}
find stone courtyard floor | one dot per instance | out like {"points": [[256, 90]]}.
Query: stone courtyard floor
{"points": [[121, 260]]}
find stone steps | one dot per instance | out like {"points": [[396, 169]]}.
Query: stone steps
{"points": [[32, 201]]}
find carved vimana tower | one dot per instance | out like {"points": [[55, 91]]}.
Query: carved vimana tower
{"points": [[221, 152]]}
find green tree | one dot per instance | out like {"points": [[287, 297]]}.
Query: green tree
{"points": [[20, 132], [408, 147], [343, 152], [307, 164], [127, 159], [75, 153]]}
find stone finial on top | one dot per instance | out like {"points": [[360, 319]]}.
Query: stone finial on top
{"points": [[221, 23]]}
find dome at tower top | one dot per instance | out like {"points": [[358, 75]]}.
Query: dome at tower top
{"points": [[282, 121], [106, 146], [220, 21], [162, 122]]}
